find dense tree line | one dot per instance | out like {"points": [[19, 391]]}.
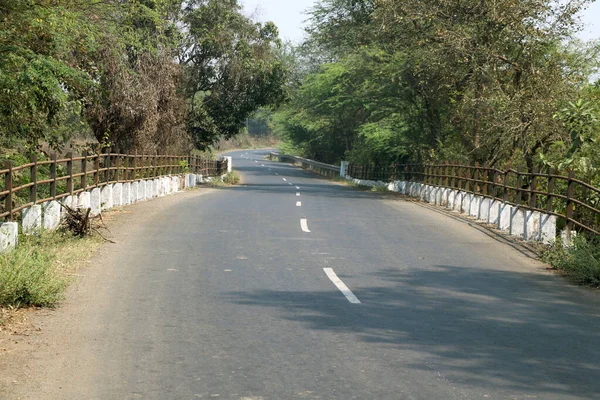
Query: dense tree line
{"points": [[151, 76], [495, 82]]}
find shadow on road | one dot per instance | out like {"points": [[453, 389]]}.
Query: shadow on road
{"points": [[496, 330]]}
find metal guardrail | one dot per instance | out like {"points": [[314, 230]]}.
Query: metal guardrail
{"points": [[40, 181], [327, 170]]}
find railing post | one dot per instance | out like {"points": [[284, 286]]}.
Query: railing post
{"points": [[84, 170], [468, 178], [519, 186], [70, 173], [33, 178], [106, 168], [532, 189], [486, 185], [569, 216], [549, 201], [97, 170], [476, 186], [505, 186], [8, 184], [53, 158]]}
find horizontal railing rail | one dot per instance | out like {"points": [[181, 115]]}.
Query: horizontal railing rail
{"points": [[39, 181]]}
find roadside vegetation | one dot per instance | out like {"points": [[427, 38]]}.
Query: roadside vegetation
{"points": [[580, 262], [37, 272], [150, 76], [498, 82]]}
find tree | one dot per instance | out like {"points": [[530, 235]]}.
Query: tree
{"points": [[231, 68]]}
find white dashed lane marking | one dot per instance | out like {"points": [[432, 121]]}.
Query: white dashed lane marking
{"points": [[298, 204], [341, 286], [304, 225]]}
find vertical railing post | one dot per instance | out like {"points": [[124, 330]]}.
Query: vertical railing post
{"points": [[97, 170], [70, 173], [8, 185], [84, 170], [53, 159], [33, 178], [569, 216], [549, 201], [486, 185], [446, 175], [519, 198], [106, 168], [494, 188], [476, 185], [505, 185], [532, 190]]}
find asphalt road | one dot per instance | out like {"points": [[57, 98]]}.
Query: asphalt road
{"points": [[231, 295]]}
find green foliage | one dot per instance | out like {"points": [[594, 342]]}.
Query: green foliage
{"points": [[580, 262], [41, 71], [231, 178], [34, 274], [148, 76], [183, 164], [463, 81], [232, 68]]}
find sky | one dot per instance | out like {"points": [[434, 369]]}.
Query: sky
{"points": [[289, 15]]}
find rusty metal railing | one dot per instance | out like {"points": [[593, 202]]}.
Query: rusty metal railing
{"points": [[576, 203], [39, 181]]}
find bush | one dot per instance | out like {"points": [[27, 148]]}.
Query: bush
{"points": [[580, 262], [36, 272], [231, 178]]}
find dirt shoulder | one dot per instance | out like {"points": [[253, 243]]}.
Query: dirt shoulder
{"points": [[31, 341]]}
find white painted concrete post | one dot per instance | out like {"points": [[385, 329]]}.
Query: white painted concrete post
{"points": [[133, 194], [344, 169], [494, 215], [9, 236], [69, 201], [517, 222], [32, 219], [548, 229], [474, 209], [141, 190], [504, 217], [484, 209], [107, 197], [126, 193], [532, 225], [149, 189], [117, 194], [51, 217], [155, 187], [229, 164], [95, 201]]}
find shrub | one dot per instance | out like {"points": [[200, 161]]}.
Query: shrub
{"points": [[231, 178], [36, 272], [580, 262]]}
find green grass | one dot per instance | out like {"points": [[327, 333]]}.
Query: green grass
{"points": [[380, 188], [231, 178], [37, 272], [580, 262]]}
